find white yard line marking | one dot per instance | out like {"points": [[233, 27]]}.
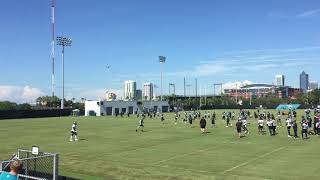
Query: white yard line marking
{"points": [[254, 159], [193, 170], [208, 172]]}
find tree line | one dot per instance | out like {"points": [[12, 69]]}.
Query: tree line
{"points": [[43, 102], [220, 102], [270, 100]]}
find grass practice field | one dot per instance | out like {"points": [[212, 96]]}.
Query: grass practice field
{"points": [[109, 148]]}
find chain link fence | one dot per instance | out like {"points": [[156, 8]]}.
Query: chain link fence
{"points": [[43, 166]]}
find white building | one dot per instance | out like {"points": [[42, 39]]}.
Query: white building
{"points": [[313, 85], [105, 108], [130, 88], [148, 91], [279, 80]]}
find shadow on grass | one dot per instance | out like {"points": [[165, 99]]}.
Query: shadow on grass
{"points": [[206, 132]]}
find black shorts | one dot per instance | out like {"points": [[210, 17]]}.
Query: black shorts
{"points": [[202, 126], [239, 130], [190, 122], [73, 133], [141, 125], [260, 127], [304, 131]]}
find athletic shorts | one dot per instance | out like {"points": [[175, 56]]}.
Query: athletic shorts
{"points": [[239, 130], [141, 125], [203, 126], [73, 133], [260, 127], [304, 131], [190, 122]]}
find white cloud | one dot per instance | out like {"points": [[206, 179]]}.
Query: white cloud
{"points": [[94, 94], [19, 94], [310, 13], [259, 67], [305, 14], [236, 84], [208, 69]]}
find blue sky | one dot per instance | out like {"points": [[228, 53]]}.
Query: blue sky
{"points": [[223, 41]]}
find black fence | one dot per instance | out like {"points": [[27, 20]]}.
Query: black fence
{"points": [[18, 114], [244, 106]]}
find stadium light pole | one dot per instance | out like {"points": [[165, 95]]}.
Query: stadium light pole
{"points": [[174, 88], [63, 41], [162, 60]]}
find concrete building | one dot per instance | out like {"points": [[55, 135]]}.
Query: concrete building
{"points": [[304, 81], [313, 85], [105, 108], [262, 90], [147, 91], [256, 90], [279, 80], [130, 88], [139, 94]]}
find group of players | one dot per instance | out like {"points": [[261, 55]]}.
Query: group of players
{"points": [[291, 122], [242, 122], [263, 119]]}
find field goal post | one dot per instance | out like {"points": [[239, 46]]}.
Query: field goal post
{"points": [[36, 166]]}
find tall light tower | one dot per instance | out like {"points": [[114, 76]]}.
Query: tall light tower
{"points": [[196, 88], [174, 88], [63, 41], [162, 60], [52, 46]]}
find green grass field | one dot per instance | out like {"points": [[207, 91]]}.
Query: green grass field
{"points": [[109, 148]]}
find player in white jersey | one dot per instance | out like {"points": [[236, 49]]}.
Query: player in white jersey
{"points": [[244, 125], [269, 123], [279, 120], [176, 119], [304, 130], [318, 128], [141, 125], [274, 125], [289, 124], [74, 132], [260, 126]]}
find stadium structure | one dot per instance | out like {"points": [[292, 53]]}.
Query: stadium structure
{"points": [[262, 90]]}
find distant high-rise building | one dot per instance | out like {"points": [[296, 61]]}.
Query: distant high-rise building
{"points": [[130, 88], [139, 94], [304, 81], [148, 91], [279, 80], [313, 85]]}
